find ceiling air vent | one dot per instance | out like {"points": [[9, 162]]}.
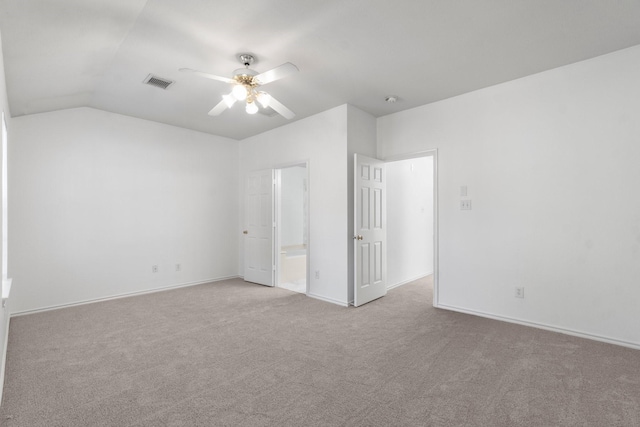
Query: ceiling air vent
{"points": [[157, 81]]}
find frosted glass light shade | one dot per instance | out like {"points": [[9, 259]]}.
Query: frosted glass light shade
{"points": [[251, 108], [239, 92], [264, 99], [229, 100]]}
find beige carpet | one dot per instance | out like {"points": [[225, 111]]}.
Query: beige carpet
{"points": [[238, 354]]}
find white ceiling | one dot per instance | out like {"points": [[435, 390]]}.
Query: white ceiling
{"points": [[69, 53]]}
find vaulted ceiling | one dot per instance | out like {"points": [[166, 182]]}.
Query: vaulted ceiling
{"points": [[70, 53]]}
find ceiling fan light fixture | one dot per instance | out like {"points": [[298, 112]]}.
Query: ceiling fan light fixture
{"points": [[239, 92], [244, 87], [251, 107]]}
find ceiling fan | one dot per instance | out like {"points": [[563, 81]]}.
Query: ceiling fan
{"points": [[246, 87]]}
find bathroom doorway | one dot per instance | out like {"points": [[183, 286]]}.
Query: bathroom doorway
{"points": [[292, 224]]}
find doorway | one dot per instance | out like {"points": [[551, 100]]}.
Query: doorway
{"points": [[412, 219], [292, 227], [408, 250]]}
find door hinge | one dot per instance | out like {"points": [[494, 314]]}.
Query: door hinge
{"points": [[274, 268]]}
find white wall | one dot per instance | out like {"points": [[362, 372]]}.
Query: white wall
{"points": [[4, 311], [292, 182], [361, 139], [409, 219], [552, 166], [322, 140], [98, 198]]}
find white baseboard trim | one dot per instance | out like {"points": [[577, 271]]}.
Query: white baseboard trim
{"points": [[124, 295], [4, 358], [327, 299], [389, 287], [566, 331]]}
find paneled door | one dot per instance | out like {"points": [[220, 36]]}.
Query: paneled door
{"points": [[370, 229], [259, 228]]}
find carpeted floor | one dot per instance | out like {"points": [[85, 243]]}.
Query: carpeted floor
{"points": [[237, 354]]}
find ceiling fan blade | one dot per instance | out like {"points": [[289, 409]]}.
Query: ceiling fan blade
{"points": [[281, 109], [218, 109], [276, 73], [207, 75]]}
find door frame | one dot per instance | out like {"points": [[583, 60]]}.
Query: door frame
{"points": [[277, 219], [436, 269]]}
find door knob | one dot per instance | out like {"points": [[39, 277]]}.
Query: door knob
{"points": [[358, 237], [245, 232]]}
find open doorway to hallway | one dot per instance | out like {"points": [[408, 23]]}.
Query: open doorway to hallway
{"points": [[292, 218], [410, 220]]}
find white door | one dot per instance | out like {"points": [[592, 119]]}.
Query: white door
{"points": [[258, 234], [370, 229]]}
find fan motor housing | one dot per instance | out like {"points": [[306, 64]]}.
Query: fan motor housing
{"points": [[245, 72]]}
